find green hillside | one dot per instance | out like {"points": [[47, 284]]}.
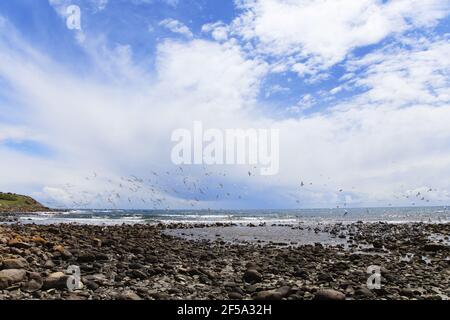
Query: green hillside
{"points": [[16, 203]]}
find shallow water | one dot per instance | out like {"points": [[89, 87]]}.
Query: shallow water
{"points": [[263, 235]]}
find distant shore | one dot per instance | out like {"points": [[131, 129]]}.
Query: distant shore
{"points": [[144, 262], [11, 203]]}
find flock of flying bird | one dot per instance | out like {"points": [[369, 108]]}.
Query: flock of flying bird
{"points": [[161, 188]]}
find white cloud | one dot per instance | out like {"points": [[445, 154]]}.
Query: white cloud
{"points": [[387, 140], [320, 33], [99, 4], [276, 89], [219, 31], [176, 27], [404, 77]]}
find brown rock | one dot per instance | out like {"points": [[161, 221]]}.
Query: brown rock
{"points": [[19, 263], [17, 243]]}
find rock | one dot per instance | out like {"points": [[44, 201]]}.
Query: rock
{"points": [[329, 294], [91, 285], [267, 295], [138, 274], [86, 257], [32, 286], [363, 291], [128, 295], [434, 247], [407, 292], [11, 276], [39, 240], [251, 266], [56, 280], [66, 254], [277, 294], [325, 277], [301, 274], [377, 244], [235, 296], [19, 263], [49, 264], [284, 291], [252, 276], [102, 256], [16, 243]]}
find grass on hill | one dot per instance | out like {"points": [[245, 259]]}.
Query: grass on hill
{"points": [[10, 202]]}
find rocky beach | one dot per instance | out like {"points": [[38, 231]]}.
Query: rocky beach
{"points": [[142, 261]]}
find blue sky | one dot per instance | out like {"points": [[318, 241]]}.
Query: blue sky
{"points": [[358, 89]]}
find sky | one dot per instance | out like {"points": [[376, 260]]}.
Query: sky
{"points": [[358, 90]]}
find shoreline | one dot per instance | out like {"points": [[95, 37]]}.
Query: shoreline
{"points": [[142, 262]]}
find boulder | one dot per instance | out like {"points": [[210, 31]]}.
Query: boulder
{"points": [[56, 280], [11, 276]]}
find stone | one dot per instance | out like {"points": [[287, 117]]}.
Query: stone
{"points": [[235, 296], [86, 257], [91, 285], [252, 276], [32, 286], [11, 276], [56, 280], [39, 240], [277, 294], [407, 292], [363, 291], [49, 264], [128, 295], [19, 263], [329, 294], [325, 277], [66, 254], [16, 243]]}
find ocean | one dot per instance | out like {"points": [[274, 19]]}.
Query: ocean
{"points": [[243, 217]]}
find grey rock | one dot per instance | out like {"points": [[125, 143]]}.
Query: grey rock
{"points": [[329, 294]]}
